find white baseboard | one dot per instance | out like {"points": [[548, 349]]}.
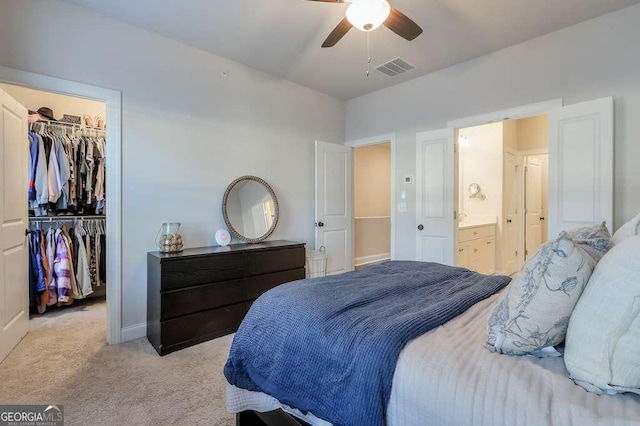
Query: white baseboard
{"points": [[133, 332], [366, 260]]}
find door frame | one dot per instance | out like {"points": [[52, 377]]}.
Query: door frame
{"points": [[113, 101], [514, 113], [376, 140]]}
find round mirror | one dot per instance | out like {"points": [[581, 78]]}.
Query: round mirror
{"points": [[250, 209]]}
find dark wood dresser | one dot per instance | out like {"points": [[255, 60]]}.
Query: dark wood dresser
{"points": [[204, 293]]}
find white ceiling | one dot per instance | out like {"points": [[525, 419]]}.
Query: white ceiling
{"points": [[283, 37]]}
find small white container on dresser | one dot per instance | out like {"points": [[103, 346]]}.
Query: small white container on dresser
{"points": [[477, 248]]}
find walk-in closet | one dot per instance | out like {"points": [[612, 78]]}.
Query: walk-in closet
{"points": [[67, 206]]}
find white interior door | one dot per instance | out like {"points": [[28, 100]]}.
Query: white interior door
{"points": [[435, 225], [14, 290], [533, 205], [581, 165], [334, 206], [512, 223], [544, 162]]}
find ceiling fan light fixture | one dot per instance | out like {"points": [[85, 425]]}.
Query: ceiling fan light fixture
{"points": [[367, 15]]}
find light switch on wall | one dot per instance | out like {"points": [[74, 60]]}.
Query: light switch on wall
{"points": [[402, 207]]}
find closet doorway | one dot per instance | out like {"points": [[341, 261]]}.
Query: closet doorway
{"points": [[16, 81], [372, 204], [67, 206], [502, 193]]}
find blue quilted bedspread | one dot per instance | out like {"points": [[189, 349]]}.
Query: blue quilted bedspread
{"points": [[329, 345]]}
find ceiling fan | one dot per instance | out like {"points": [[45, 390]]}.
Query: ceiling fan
{"points": [[367, 15]]}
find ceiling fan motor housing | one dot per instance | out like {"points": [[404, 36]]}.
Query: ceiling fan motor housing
{"points": [[367, 15]]}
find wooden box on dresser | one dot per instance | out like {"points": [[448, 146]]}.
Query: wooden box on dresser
{"points": [[203, 293]]}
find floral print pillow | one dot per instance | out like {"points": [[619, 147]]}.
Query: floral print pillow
{"points": [[534, 313], [596, 239]]}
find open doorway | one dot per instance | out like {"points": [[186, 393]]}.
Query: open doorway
{"points": [[502, 193], [372, 204], [66, 151]]}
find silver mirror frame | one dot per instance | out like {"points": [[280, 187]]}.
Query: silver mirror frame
{"points": [[226, 216]]}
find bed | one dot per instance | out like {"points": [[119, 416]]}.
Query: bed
{"points": [[447, 377]]}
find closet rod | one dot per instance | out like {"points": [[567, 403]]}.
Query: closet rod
{"points": [[70, 217], [64, 123]]}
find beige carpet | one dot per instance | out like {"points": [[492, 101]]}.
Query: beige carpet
{"points": [[64, 360]]}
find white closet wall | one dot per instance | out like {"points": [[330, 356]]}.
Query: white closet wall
{"points": [[60, 104]]}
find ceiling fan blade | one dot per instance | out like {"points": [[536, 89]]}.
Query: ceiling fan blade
{"points": [[338, 32], [402, 25]]}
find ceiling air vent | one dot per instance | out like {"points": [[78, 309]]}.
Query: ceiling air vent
{"points": [[395, 67]]}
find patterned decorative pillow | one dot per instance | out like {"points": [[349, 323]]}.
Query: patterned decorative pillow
{"points": [[535, 311], [596, 239]]}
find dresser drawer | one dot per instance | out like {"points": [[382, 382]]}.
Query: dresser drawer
{"points": [[266, 261], [475, 233], [186, 301], [262, 283], [202, 326], [202, 270]]}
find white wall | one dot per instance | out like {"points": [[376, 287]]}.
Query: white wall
{"points": [[187, 130], [591, 60]]}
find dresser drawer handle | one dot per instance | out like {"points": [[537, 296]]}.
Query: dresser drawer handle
{"points": [[460, 249]]}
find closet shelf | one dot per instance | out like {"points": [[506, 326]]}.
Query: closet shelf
{"points": [[372, 217], [67, 217]]}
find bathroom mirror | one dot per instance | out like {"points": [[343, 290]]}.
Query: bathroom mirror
{"points": [[476, 192], [250, 209]]}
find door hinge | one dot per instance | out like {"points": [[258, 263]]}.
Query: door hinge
{"points": [[526, 252], [455, 215]]}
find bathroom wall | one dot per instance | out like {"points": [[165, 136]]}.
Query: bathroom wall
{"points": [[481, 163], [533, 133]]}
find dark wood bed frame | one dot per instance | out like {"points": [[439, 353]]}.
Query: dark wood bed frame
{"points": [[270, 418]]}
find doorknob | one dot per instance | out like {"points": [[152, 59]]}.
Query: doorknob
{"points": [[320, 224], [420, 227]]}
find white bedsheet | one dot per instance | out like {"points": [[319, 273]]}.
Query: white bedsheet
{"points": [[447, 377]]}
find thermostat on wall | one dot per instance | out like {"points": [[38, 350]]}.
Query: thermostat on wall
{"points": [[408, 180]]}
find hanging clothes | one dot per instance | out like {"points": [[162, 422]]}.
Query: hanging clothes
{"points": [[65, 263], [66, 171], [50, 254], [62, 269]]}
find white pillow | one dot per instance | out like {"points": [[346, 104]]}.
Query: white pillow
{"points": [[627, 230], [534, 312], [603, 339]]}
